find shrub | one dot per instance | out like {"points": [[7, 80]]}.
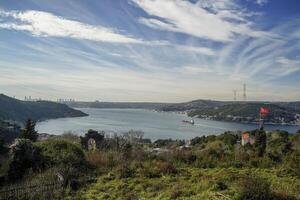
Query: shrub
{"points": [[165, 168], [154, 169], [61, 152], [219, 186], [97, 158], [124, 171], [292, 163], [255, 188]]}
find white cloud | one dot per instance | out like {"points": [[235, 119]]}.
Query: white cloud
{"points": [[197, 50], [195, 70], [288, 65], [44, 24], [215, 20], [261, 2]]}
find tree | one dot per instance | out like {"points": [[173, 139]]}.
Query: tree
{"points": [[2, 145], [92, 134], [133, 136], [23, 156], [260, 142], [29, 131]]}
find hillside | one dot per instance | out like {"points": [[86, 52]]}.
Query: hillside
{"points": [[16, 110], [124, 167], [133, 105], [193, 105], [246, 112]]}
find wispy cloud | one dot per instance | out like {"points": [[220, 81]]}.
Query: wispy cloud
{"points": [[288, 65], [215, 20], [197, 50], [44, 24], [261, 2], [194, 70]]}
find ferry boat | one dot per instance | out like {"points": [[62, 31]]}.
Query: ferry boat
{"points": [[189, 121]]}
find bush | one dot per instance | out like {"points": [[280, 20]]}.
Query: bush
{"points": [[124, 171], [155, 169], [59, 152], [255, 188], [219, 186]]}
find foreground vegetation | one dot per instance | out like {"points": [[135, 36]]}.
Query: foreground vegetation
{"points": [[130, 167], [195, 183]]}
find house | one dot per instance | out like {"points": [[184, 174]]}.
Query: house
{"points": [[91, 144], [247, 139]]}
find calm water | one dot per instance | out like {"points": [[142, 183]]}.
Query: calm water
{"points": [[154, 124]]}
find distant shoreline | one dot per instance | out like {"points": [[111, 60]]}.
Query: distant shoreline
{"points": [[186, 114]]}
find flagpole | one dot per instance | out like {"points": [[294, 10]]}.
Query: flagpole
{"points": [[261, 122]]}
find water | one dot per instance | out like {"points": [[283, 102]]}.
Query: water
{"points": [[155, 125]]}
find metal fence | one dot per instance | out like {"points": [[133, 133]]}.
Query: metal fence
{"points": [[38, 190], [29, 191]]}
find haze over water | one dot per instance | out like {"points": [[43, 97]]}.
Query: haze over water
{"points": [[155, 125]]}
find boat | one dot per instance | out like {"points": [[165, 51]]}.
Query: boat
{"points": [[189, 121]]}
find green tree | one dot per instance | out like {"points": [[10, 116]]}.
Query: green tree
{"points": [[260, 142], [29, 131], [22, 157], [2, 145], [92, 134]]}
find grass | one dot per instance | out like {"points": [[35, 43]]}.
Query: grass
{"points": [[189, 183]]}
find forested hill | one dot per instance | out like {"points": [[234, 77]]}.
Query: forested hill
{"points": [[209, 104], [132, 105], [196, 104], [247, 112], [17, 110]]}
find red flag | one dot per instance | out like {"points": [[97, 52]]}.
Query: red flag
{"points": [[264, 110]]}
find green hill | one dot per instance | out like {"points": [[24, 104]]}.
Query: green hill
{"points": [[16, 110], [246, 112], [193, 105]]}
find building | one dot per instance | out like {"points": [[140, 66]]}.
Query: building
{"points": [[247, 139]]}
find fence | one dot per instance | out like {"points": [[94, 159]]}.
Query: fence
{"points": [[29, 191], [47, 189]]}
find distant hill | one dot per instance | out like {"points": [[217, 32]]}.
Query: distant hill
{"points": [[201, 104], [17, 110], [133, 105], [196, 104], [247, 112]]}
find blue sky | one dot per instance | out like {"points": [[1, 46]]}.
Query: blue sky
{"points": [[150, 50]]}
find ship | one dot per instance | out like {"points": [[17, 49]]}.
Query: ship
{"points": [[189, 121]]}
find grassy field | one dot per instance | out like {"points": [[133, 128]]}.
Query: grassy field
{"points": [[188, 183]]}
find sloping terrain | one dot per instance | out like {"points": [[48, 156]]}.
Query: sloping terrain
{"points": [[247, 110], [16, 110]]}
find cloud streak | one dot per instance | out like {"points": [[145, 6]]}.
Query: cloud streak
{"points": [[44, 24], [214, 20]]}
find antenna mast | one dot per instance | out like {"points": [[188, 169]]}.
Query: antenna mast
{"points": [[234, 95], [244, 92]]}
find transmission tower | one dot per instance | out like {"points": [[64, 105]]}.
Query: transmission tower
{"points": [[234, 95], [244, 93]]}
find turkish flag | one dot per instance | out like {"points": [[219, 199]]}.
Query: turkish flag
{"points": [[264, 110]]}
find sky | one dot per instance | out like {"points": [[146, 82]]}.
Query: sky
{"points": [[150, 50]]}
